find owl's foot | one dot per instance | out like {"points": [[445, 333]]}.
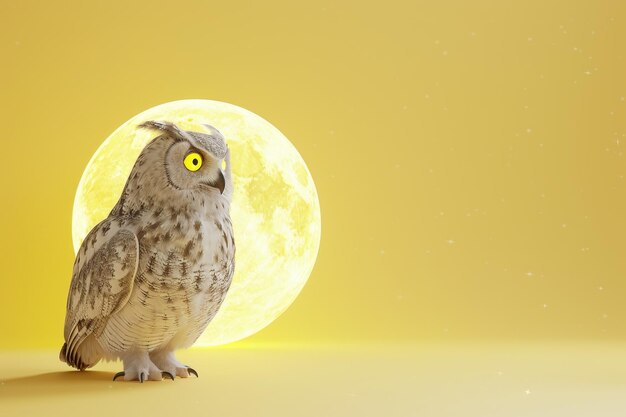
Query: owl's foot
{"points": [[138, 367], [142, 377], [167, 362]]}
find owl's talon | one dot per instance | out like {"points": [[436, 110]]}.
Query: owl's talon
{"points": [[119, 374], [192, 371], [142, 377], [169, 375]]}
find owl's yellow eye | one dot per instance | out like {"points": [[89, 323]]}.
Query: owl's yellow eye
{"points": [[193, 161]]}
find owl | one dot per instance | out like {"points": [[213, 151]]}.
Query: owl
{"points": [[149, 278]]}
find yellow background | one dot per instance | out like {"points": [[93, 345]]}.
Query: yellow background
{"points": [[469, 156]]}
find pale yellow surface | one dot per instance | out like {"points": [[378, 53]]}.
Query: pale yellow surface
{"points": [[468, 380], [275, 209]]}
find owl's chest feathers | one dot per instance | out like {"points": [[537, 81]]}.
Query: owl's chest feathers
{"points": [[186, 258]]}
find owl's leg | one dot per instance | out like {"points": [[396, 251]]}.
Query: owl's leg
{"points": [[166, 361], [139, 367]]}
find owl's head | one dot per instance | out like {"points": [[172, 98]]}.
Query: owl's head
{"points": [[192, 159], [180, 160]]}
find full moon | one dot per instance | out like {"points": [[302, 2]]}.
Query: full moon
{"points": [[275, 209]]}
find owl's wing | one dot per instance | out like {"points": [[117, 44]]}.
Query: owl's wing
{"points": [[102, 280]]}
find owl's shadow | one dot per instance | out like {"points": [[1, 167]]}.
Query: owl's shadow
{"points": [[56, 384]]}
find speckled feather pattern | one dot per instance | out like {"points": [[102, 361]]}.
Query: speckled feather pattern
{"points": [[153, 274]]}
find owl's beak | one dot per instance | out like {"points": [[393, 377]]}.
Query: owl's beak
{"points": [[219, 182]]}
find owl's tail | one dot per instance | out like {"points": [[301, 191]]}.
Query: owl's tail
{"points": [[63, 353], [78, 361], [78, 364]]}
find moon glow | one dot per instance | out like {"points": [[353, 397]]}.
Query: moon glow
{"points": [[275, 209]]}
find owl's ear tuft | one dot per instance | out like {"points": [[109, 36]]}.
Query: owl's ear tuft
{"points": [[168, 127], [213, 130], [213, 142]]}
